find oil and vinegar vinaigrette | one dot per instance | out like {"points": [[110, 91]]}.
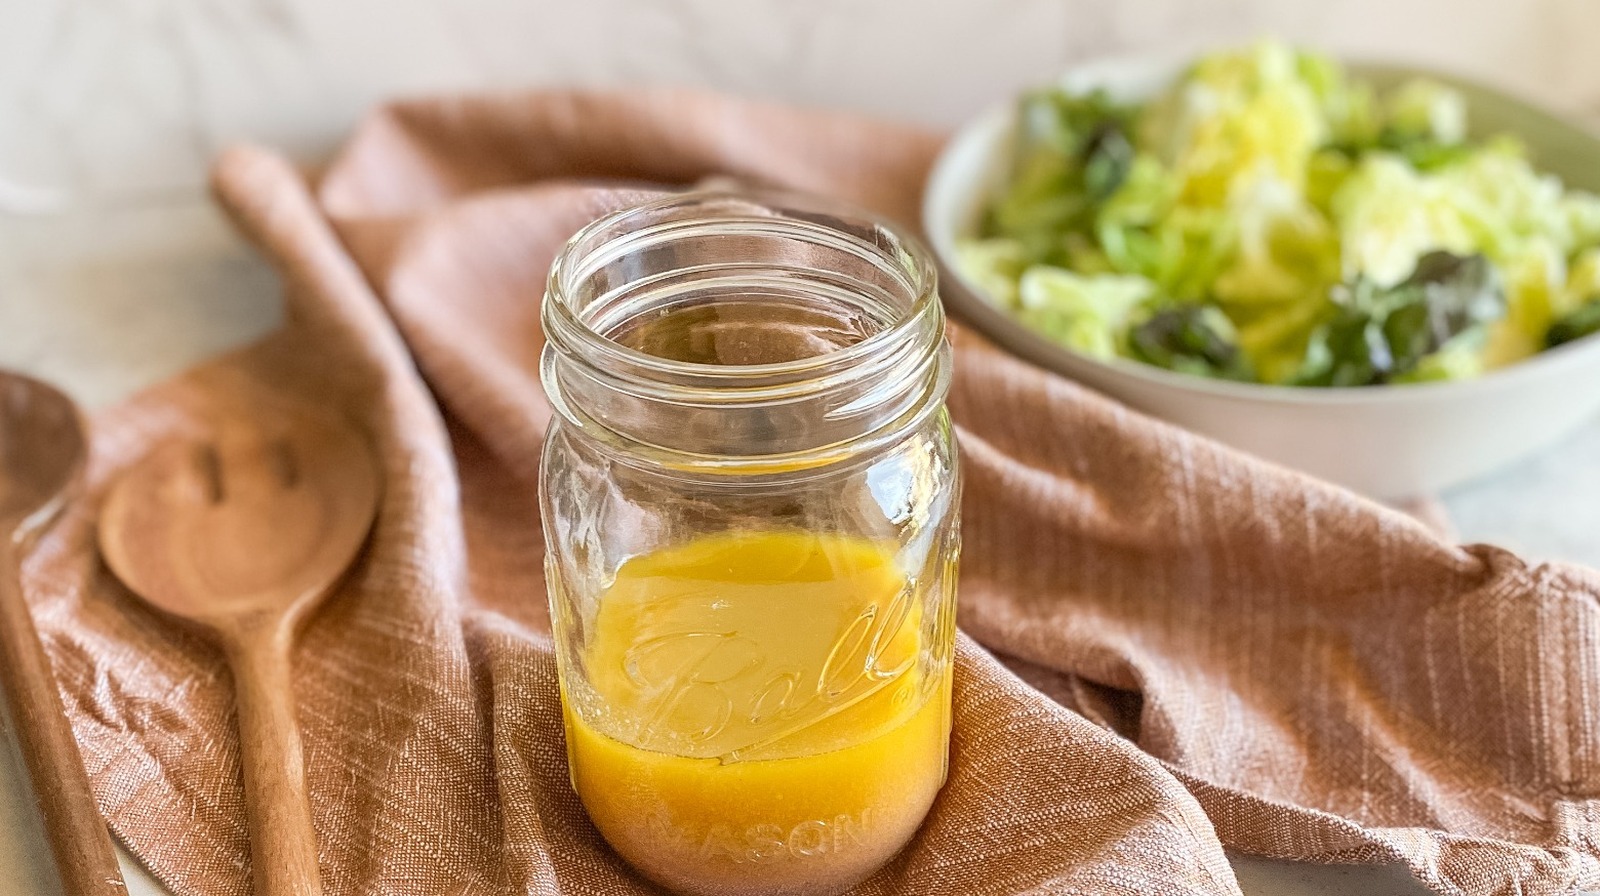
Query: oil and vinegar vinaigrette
{"points": [[759, 717]]}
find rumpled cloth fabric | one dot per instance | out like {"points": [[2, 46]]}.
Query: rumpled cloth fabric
{"points": [[1168, 646]]}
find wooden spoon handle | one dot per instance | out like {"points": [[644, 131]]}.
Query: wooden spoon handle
{"points": [[283, 842], [79, 839]]}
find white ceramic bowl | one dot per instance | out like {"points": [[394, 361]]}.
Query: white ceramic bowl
{"points": [[1385, 441]]}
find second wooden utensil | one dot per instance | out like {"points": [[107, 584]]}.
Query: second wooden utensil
{"points": [[242, 535], [42, 453]]}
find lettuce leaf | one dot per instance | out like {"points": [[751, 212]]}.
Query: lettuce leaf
{"points": [[1085, 313], [995, 265], [1071, 153]]}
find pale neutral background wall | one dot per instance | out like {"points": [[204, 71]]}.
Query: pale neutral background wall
{"points": [[132, 97]]}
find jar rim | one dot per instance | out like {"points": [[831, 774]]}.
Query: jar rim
{"points": [[568, 269], [815, 408]]}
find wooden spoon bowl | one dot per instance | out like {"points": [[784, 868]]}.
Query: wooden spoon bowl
{"points": [[42, 452], [242, 535]]}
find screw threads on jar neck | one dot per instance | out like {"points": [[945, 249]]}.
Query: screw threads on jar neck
{"points": [[743, 331]]}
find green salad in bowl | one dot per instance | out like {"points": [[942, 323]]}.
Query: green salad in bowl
{"points": [[1268, 217]]}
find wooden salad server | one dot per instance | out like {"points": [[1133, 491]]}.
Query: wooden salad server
{"points": [[43, 450], [242, 535]]}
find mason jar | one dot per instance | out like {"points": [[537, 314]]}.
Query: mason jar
{"points": [[749, 494]]}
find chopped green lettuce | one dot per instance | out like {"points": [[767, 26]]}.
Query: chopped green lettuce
{"points": [[1070, 156], [1389, 215], [995, 265], [1535, 277], [1583, 283], [1428, 110], [1086, 313], [1268, 217]]}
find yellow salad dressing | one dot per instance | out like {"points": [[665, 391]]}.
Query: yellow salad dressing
{"points": [[762, 717]]}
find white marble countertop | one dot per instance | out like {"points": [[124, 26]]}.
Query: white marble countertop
{"points": [[122, 273]]}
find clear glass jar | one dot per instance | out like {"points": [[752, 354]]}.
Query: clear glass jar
{"points": [[750, 498]]}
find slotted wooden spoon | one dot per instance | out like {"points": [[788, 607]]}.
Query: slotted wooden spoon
{"points": [[42, 454], [242, 535]]}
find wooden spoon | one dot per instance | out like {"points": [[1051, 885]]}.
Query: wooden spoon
{"points": [[42, 454], [242, 535]]}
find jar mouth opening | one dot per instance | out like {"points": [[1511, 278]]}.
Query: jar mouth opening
{"points": [[821, 324], [782, 214]]}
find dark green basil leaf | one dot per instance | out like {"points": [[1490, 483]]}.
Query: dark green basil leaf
{"points": [[1376, 334], [1453, 294], [1351, 349], [1580, 323], [1424, 152], [1107, 158], [1193, 339]]}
